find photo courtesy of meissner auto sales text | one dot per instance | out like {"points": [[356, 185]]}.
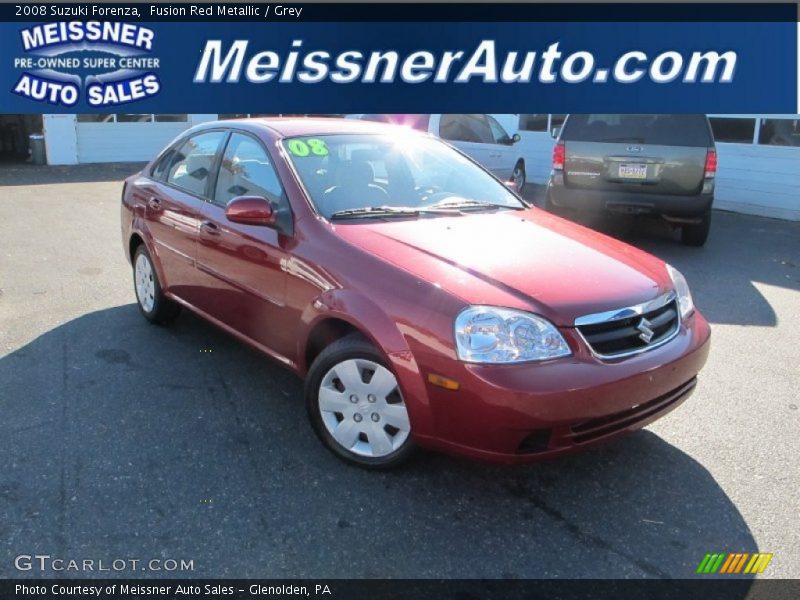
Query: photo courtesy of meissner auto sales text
{"points": [[287, 332]]}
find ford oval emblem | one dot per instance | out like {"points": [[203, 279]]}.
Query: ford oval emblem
{"points": [[634, 148]]}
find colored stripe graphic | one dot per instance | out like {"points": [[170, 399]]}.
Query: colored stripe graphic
{"points": [[761, 563], [733, 563]]}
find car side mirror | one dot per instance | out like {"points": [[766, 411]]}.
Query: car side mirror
{"points": [[516, 138], [555, 132], [251, 210]]}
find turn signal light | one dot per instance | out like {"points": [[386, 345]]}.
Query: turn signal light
{"points": [[443, 382], [559, 154]]}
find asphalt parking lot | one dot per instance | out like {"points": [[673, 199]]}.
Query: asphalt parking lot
{"points": [[125, 440]]}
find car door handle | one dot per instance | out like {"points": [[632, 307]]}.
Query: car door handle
{"points": [[154, 203], [210, 227]]}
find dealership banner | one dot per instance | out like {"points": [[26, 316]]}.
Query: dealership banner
{"points": [[329, 58]]}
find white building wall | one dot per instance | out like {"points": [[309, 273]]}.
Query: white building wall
{"points": [[759, 180], [121, 142], [70, 142], [60, 139]]}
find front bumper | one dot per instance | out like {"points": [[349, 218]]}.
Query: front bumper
{"points": [[668, 205], [526, 412]]}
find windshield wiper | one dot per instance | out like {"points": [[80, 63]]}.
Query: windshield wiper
{"points": [[464, 204], [388, 211], [375, 211], [443, 208]]}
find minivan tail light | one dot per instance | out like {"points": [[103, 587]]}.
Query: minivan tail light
{"points": [[711, 164], [559, 154]]}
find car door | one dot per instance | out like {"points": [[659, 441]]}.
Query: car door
{"points": [[244, 284], [502, 155], [470, 134], [173, 202]]}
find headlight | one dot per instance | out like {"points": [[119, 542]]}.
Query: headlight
{"points": [[486, 334], [685, 301]]}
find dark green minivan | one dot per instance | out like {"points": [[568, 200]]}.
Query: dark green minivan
{"points": [[638, 164]]}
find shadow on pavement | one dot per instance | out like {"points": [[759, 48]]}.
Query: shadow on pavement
{"points": [[27, 174], [122, 439]]}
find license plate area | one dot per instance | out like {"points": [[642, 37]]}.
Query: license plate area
{"points": [[636, 171]]}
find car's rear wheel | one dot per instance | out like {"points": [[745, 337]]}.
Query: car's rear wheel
{"points": [[155, 307], [518, 176], [697, 234], [356, 407]]}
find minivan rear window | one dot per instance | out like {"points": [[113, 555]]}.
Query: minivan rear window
{"points": [[662, 130]]}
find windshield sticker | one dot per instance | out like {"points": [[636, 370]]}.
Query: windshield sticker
{"points": [[312, 146]]}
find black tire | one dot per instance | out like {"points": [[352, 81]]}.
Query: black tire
{"points": [[353, 346], [162, 311], [697, 234], [521, 167]]}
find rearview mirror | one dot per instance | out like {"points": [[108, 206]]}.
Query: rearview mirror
{"points": [[516, 138], [250, 210], [555, 132]]}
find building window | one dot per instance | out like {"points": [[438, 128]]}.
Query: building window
{"points": [[779, 132], [171, 118], [95, 118], [134, 118], [733, 130]]}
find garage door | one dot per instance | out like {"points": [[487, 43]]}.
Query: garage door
{"points": [[125, 137]]}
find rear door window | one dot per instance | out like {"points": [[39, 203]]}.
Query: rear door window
{"points": [[655, 129], [190, 166]]}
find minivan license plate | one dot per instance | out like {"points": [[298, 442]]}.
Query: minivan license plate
{"points": [[633, 171]]}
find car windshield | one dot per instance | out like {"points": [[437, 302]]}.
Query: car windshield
{"points": [[399, 175]]}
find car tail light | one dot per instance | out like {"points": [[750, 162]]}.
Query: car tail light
{"points": [[711, 164], [559, 154]]}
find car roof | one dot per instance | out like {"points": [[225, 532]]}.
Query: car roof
{"points": [[301, 126]]}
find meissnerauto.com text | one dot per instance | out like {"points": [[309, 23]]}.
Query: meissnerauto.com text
{"points": [[232, 62]]}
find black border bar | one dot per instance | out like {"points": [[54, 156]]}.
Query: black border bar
{"points": [[420, 12], [733, 588]]}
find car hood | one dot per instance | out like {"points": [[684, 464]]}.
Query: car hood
{"points": [[523, 259]]}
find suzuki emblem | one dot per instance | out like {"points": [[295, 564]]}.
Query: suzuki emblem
{"points": [[646, 334]]}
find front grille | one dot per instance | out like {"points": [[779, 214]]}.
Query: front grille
{"points": [[628, 335]]}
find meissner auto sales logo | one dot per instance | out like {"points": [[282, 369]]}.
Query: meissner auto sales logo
{"points": [[111, 62]]}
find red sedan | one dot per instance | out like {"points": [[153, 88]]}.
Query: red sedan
{"points": [[423, 301]]}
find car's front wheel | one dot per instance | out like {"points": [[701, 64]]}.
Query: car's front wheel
{"points": [[153, 304], [356, 407]]}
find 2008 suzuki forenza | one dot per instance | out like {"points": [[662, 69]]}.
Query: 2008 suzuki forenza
{"points": [[423, 301]]}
